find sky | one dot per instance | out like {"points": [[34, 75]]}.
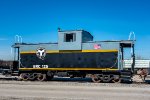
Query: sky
{"points": [[37, 21]]}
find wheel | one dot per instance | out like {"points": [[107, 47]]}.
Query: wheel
{"points": [[24, 76], [83, 75], [41, 77], [32, 76], [49, 75], [116, 79], [95, 78], [72, 76]]}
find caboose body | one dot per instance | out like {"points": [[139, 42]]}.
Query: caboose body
{"points": [[77, 55]]}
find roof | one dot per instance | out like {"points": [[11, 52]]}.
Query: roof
{"points": [[18, 44], [75, 30]]}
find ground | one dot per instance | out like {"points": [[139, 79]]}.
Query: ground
{"points": [[72, 89]]}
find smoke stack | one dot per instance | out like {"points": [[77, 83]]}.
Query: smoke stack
{"points": [[59, 29]]}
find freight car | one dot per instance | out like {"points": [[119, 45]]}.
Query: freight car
{"points": [[75, 55]]}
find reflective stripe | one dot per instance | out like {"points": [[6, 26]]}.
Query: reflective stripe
{"points": [[70, 51], [99, 50]]}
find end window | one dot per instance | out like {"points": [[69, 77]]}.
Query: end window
{"points": [[71, 37]]}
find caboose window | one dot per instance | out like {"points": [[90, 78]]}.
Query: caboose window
{"points": [[70, 37]]}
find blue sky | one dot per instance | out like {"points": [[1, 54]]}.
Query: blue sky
{"points": [[38, 20]]}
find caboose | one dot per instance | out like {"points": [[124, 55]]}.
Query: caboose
{"points": [[75, 55]]}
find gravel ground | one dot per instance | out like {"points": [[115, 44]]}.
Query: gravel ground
{"points": [[54, 90], [71, 89]]}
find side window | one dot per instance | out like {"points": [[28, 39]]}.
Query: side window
{"points": [[69, 37]]}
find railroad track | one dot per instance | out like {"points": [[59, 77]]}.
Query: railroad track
{"points": [[28, 90], [73, 84], [71, 89], [88, 81]]}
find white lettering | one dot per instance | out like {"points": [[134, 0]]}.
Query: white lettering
{"points": [[40, 66]]}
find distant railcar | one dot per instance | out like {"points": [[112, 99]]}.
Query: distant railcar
{"points": [[76, 55]]}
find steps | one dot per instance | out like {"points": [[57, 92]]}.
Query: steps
{"points": [[126, 76]]}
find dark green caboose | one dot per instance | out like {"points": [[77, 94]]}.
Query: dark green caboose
{"points": [[76, 55]]}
